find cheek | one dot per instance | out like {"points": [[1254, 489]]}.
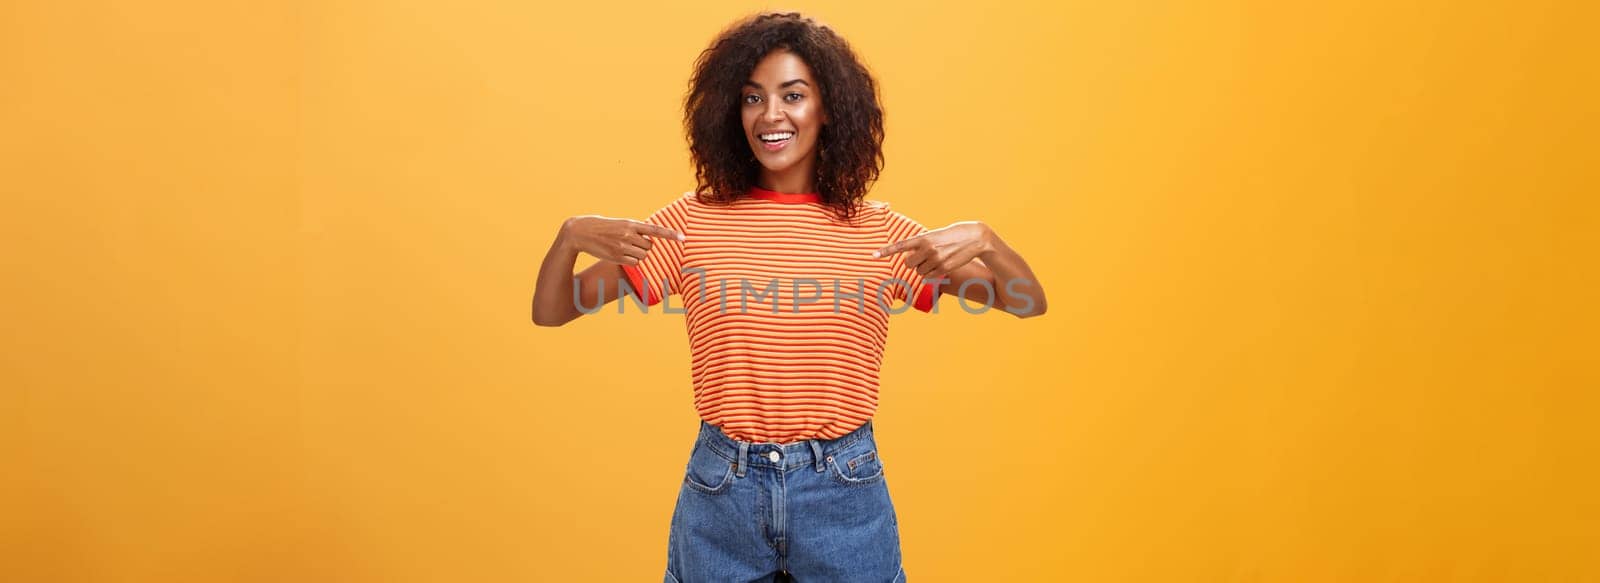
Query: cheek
{"points": [[747, 120], [811, 115], [805, 118]]}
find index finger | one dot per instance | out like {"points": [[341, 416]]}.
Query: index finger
{"points": [[657, 231], [897, 247]]}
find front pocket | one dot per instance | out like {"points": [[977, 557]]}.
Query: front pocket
{"points": [[708, 472], [859, 468]]}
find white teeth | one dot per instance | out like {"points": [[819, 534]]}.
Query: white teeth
{"points": [[776, 137]]}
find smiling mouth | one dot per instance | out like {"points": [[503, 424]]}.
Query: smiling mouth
{"points": [[774, 141]]}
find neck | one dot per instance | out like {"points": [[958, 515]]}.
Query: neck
{"points": [[799, 178]]}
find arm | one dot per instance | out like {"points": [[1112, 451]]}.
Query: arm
{"points": [[616, 242], [971, 250]]}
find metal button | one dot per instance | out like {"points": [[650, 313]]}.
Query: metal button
{"points": [[773, 456]]}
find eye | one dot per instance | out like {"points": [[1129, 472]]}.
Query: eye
{"points": [[752, 98], [793, 97]]}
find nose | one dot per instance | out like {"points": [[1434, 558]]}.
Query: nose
{"points": [[774, 110]]}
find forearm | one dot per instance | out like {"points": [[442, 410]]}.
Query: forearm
{"points": [[552, 294], [1017, 289]]}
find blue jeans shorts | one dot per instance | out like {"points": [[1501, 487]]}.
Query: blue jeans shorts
{"points": [[812, 511]]}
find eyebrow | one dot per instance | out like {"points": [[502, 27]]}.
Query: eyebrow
{"points": [[785, 83]]}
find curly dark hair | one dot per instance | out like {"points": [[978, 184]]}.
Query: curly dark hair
{"points": [[850, 145]]}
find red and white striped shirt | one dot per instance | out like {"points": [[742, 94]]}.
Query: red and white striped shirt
{"points": [[781, 302]]}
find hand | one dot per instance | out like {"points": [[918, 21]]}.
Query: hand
{"points": [[624, 241], [936, 253]]}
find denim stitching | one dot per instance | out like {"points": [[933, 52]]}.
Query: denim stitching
{"points": [[857, 434], [718, 489], [688, 478], [838, 475]]}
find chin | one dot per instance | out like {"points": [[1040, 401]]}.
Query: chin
{"points": [[776, 166], [779, 164]]}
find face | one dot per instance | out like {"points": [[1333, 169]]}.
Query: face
{"points": [[782, 114]]}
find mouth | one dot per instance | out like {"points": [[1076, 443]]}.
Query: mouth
{"points": [[774, 141]]}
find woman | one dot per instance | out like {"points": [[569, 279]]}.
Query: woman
{"points": [[785, 275]]}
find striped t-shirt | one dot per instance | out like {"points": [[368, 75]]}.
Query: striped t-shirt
{"points": [[781, 302]]}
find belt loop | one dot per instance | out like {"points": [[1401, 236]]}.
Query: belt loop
{"points": [[744, 454], [816, 453]]}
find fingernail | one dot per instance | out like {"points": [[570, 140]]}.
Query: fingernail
{"points": [[874, 253], [682, 237]]}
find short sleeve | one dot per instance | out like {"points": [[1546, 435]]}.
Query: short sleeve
{"points": [[660, 273], [900, 228]]}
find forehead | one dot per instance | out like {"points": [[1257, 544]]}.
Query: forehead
{"points": [[780, 66]]}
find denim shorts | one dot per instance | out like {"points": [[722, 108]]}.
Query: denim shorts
{"points": [[812, 511]]}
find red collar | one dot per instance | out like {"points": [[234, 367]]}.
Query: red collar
{"points": [[788, 197]]}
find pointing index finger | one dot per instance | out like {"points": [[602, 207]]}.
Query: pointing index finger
{"points": [[891, 249], [659, 231]]}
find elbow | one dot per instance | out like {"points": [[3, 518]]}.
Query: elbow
{"points": [[545, 315], [544, 321], [1038, 309], [1025, 303]]}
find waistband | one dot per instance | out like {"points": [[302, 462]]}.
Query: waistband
{"points": [[813, 452]]}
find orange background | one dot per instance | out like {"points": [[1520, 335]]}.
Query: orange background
{"points": [[1321, 282]]}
